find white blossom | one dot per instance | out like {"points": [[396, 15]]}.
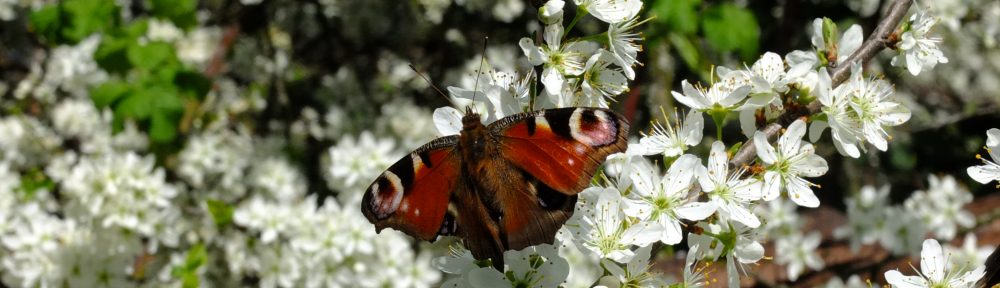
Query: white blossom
{"points": [[717, 97], [26, 142], [584, 270], [852, 282], [845, 130], [278, 179], [73, 68], [900, 231], [672, 140], [969, 254], [611, 11], [935, 271], [918, 51], [871, 100], [602, 227], [215, 162], [353, 161], [940, 206], [635, 274], [732, 239], [990, 170], [124, 191], [849, 42], [729, 191], [798, 253], [535, 266], [663, 201], [788, 164], [559, 59], [600, 80], [864, 216], [198, 45], [623, 44], [448, 121], [407, 122], [504, 93], [551, 12]]}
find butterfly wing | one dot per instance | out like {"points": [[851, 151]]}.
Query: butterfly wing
{"points": [[562, 147], [557, 151], [413, 194]]}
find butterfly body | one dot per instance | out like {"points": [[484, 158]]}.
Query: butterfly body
{"points": [[501, 187]]}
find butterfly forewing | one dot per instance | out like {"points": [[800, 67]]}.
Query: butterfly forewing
{"points": [[562, 147], [413, 194], [558, 152]]}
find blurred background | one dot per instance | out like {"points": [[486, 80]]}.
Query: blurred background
{"points": [[217, 122]]}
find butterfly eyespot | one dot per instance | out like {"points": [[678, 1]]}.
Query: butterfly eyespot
{"points": [[593, 127], [388, 193]]}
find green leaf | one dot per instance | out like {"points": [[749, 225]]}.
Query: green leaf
{"points": [[728, 27], [162, 127], [88, 17], [679, 15], [35, 180], [111, 55], [221, 212], [188, 272], [688, 52], [150, 56], [136, 29], [46, 22], [138, 106], [109, 92], [181, 12], [192, 84], [195, 258]]}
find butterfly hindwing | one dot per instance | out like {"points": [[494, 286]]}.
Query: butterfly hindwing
{"points": [[413, 195], [536, 219]]}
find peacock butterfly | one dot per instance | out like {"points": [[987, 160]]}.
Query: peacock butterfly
{"points": [[501, 187]]}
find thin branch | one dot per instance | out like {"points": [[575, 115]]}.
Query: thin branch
{"points": [[878, 40]]}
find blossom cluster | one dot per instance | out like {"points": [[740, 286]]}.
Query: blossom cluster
{"points": [[637, 204]]}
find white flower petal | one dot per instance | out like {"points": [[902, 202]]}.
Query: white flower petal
{"points": [[740, 214], [448, 121], [800, 193], [764, 150], [694, 124], [718, 162], [772, 186], [896, 279], [695, 211], [816, 130], [811, 165], [748, 122], [553, 80], [984, 173], [749, 251], [932, 261], [790, 141], [849, 42]]}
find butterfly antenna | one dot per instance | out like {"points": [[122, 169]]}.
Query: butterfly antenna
{"points": [[432, 84], [482, 59]]}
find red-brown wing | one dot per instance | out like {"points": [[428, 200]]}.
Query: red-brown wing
{"points": [[413, 194], [557, 152], [563, 147]]}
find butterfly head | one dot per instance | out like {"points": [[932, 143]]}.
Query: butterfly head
{"points": [[471, 118]]}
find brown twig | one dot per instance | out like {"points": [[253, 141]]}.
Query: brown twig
{"points": [[878, 40]]}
